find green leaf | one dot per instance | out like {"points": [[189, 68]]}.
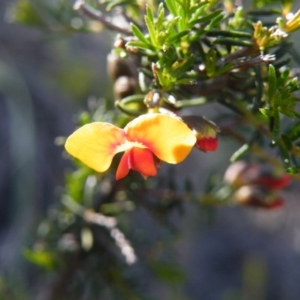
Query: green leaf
{"points": [[226, 33], [239, 153], [180, 67], [160, 17], [293, 170], [178, 36], [272, 83], [214, 22], [285, 154], [133, 99], [141, 45], [232, 42], [141, 36], [265, 111], [257, 103], [152, 31], [149, 14], [198, 10], [172, 23], [291, 114], [207, 18], [186, 81], [210, 62], [265, 12], [224, 69], [294, 132], [276, 126], [171, 7], [41, 258], [287, 142]]}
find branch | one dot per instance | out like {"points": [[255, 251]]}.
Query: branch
{"points": [[97, 15]]}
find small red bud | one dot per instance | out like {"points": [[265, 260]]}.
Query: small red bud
{"points": [[205, 130], [207, 144], [243, 173], [275, 183], [237, 174], [257, 196]]}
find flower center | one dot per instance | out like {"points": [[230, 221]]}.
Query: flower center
{"points": [[129, 145]]}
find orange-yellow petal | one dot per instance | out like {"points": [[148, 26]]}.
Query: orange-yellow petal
{"points": [[138, 159], [95, 144], [166, 136]]}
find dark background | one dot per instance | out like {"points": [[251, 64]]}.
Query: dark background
{"points": [[45, 79]]}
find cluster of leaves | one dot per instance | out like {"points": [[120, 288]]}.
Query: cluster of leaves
{"points": [[225, 54]]}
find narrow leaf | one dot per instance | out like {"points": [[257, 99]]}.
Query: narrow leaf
{"points": [[232, 42], [141, 45], [207, 18], [160, 17], [186, 81], [226, 33], [171, 7], [265, 112], [180, 67], [136, 31], [152, 31], [178, 36], [214, 22], [224, 69], [149, 14], [239, 153], [294, 132], [287, 142], [210, 62], [272, 83], [276, 127]]}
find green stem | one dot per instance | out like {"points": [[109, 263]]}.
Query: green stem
{"points": [[192, 102]]}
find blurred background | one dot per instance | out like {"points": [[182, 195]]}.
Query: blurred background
{"points": [[49, 69]]}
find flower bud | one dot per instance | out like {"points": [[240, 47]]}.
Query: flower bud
{"points": [[154, 99], [243, 173], [124, 87], [117, 67], [205, 130], [275, 182], [257, 196], [119, 42]]}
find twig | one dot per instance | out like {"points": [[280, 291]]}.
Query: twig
{"points": [[108, 222], [87, 10]]}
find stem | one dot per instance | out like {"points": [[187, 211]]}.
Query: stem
{"points": [[259, 152], [87, 10], [192, 102]]}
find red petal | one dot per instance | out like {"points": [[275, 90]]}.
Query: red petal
{"points": [[124, 165], [142, 160], [275, 183], [138, 159], [207, 144], [276, 204]]}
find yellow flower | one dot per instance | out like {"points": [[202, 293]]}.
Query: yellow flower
{"points": [[143, 139]]}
